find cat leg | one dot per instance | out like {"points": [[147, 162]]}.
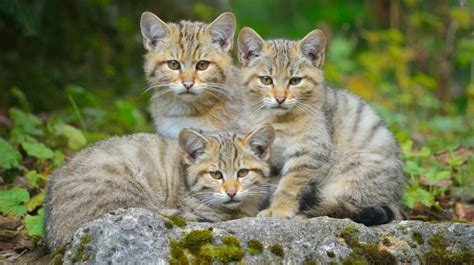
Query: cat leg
{"points": [[297, 172], [361, 188]]}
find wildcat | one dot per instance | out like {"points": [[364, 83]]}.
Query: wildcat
{"points": [[333, 153], [205, 176], [189, 65]]}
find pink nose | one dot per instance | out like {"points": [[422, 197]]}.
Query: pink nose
{"points": [[188, 84], [231, 193], [280, 100]]}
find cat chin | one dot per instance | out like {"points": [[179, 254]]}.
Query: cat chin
{"points": [[232, 205], [188, 96]]}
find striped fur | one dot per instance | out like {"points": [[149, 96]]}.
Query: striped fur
{"points": [[333, 153], [156, 173], [206, 105]]}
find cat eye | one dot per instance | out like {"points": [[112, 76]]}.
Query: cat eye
{"points": [[216, 174], [173, 64], [295, 80], [266, 80], [243, 172], [202, 65]]}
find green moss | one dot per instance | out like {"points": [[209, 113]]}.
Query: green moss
{"points": [[440, 255], [386, 241], [420, 218], [309, 261], [231, 241], [223, 253], [168, 225], [197, 247], [177, 254], [195, 239], [418, 238], [364, 253], [277, 249], [85, 239], [438, 241], [57, 255], [176, 219], [330, 254], [254, 247], [348, 230], [81, 255], [355, 260], [331, 263]]}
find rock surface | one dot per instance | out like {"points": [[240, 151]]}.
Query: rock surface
{"points": [[138, 236]]}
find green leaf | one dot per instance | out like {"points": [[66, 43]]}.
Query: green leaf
{"points": [[435, 178], [413, 168], [34, 202], [455, 161], [10, 157], [75, 137], [26, 123], [58, 159], [35, 224], [13, 200], [38, 150], [33, 177]]}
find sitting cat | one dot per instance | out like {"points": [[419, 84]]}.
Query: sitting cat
{"points": [[334, 154], [206, 176], [189, 65]]}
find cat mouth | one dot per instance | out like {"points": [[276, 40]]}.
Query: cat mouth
{"points": [[232, 202], [190, 93], [279, 108]]}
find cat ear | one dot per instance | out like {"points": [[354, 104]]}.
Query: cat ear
{"points": [[153, 29], [260, 140], [193, 144], [313, 46], [222, 30], [250, 45]]}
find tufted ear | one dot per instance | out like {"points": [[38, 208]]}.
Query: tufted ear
{"points": [[313, 46], [153, 29], [250, 45], [193, 144], [222, 31], [260, 140]]}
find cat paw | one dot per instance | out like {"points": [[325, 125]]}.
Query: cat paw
{"points": [[170, 212], [275, 212], [300, 217]]}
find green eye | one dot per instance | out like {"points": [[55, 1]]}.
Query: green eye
{"points": [[173, 64], [266, 80], [202, 65], [295, 80], [243, 172], [216, 174]]}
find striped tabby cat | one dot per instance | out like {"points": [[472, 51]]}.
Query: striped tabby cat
{"points": [[206, 176], [189, 65], [334, 154]]}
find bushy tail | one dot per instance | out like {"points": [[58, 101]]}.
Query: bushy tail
{"points": [[376, 215]]}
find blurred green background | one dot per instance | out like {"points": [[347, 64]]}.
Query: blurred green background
{"points": [[71, 73]]}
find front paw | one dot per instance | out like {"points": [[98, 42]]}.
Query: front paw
{"points": [[300, 217], [276, 212]]}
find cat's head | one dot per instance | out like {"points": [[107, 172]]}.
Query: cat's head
{"points": [[226, 170], [281, 76], [191, 59]]}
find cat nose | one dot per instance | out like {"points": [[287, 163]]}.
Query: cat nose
{"points": [[231, 193], [280, 100], [188, 84]]}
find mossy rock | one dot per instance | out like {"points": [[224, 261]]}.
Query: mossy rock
{"points": [[254, 247]]}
